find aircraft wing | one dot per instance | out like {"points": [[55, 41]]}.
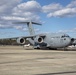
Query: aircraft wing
{"points": [[22, 39], [19, 36], [42, 35], [30, 36]]}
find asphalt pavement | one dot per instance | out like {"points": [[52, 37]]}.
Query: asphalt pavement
{"points": [[14, 60]]}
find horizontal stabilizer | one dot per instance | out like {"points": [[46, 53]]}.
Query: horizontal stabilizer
{"points": [[27, 23], [36, 23]]}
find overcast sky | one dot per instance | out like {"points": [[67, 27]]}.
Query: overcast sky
{"points": [[55, 15]]}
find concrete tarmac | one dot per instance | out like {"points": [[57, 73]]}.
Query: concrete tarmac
{"points": [[14, 60]]}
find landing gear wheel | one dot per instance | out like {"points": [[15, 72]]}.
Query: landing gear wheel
{"points": [[37, 48], [52, 48]]}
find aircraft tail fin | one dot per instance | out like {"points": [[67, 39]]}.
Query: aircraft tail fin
{"points": [[29, 25]]}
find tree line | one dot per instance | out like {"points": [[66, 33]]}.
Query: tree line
{"points": [[10, 42]]}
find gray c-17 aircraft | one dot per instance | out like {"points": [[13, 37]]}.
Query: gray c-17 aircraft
{"points": [[45, 40]]}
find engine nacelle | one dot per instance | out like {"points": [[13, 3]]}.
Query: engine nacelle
{"points": [[21, 41], [39, 39]]}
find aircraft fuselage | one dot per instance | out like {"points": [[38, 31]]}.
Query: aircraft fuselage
{"points": [[55, 40]]}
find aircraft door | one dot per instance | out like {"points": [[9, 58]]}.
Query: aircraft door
{"points": [[52, 42]]}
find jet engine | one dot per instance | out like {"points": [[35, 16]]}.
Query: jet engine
{"points": [[21, 41], [39, 39]]}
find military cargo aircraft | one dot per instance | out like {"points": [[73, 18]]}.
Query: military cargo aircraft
{"points": [[45, 40]]}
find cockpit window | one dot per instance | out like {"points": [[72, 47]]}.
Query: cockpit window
{"points": [[67, 36], [64, 36]]}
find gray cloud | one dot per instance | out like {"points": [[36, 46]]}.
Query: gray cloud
{"points": [[30, 6], [13, 10], [6, 6], [66, 12], [57, 10], [51, 7], [72, 4]]}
